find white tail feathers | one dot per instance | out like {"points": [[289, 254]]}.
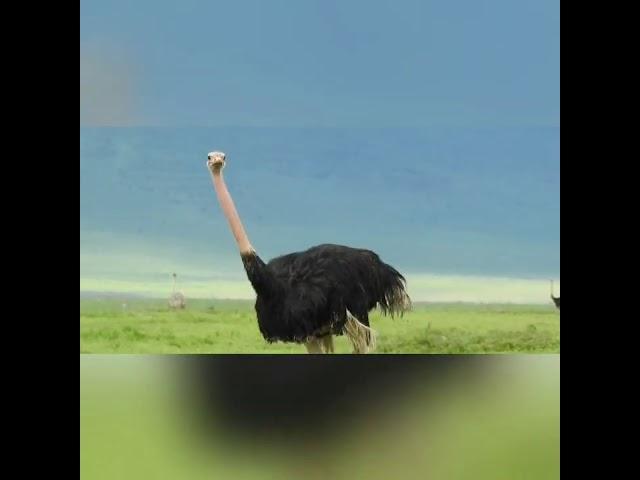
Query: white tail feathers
{"points": [[361, 337]]}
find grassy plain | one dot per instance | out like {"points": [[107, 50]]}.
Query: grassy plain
{"points": [[227, 326]]}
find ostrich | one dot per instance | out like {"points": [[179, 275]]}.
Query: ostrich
{"points": [[307, 297], [176, 300], [556, 300]]}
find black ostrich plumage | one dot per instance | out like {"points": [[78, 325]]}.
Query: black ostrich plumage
{"points": [[307, 294]]}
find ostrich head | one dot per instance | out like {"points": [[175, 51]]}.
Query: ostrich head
{"points": [[216, 161]]}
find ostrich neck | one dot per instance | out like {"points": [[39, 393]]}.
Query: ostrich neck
{"points": [[229, 210], [261, 278]]}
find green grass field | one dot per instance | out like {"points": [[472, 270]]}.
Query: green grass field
{"points": [[225, 326]]}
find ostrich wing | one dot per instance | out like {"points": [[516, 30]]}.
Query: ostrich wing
{"points": [[351, 278]]}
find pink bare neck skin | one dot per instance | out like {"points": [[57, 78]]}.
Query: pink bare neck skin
{"points": [[230, 212]]}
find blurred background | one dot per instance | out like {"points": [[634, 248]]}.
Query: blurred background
{"points": [[467, 213], [442, 417]]}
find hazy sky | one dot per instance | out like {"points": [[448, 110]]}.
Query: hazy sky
{"points": [[320, 62], [473, 183]]}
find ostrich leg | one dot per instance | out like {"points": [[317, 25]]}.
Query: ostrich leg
{"points": [[314, 345], [327, 343]]}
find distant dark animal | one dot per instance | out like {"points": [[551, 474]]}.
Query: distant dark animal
{"points": [[306, 297], [556, 300]]}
